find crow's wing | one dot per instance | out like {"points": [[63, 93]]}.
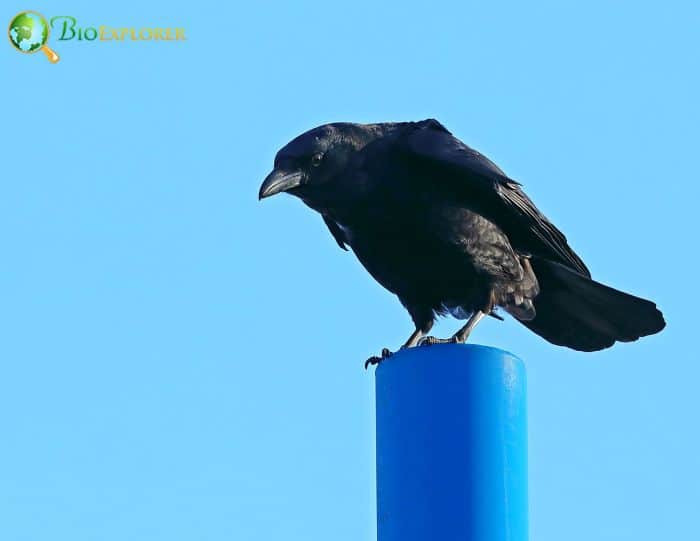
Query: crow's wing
{"points": [[337, 233], [481, 186]]}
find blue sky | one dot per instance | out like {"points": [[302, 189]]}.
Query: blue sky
{"points": [[181, 362]]}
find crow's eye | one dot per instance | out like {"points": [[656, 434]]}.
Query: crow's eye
{"points": [[316, 159]]}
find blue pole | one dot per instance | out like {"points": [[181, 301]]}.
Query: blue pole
{"points": [[451, 445]]}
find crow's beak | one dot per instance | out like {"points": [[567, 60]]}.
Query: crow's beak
{"points": [[279, 181]]}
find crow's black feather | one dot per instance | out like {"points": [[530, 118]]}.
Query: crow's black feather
{"points": [[442, 227]]}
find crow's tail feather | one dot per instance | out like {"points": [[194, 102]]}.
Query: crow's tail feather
{"points": [[577, 312]]}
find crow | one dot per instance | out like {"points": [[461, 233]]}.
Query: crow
{"points": [[443, 228]]}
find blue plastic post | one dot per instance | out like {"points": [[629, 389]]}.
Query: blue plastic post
{"points": [[451, 445]]}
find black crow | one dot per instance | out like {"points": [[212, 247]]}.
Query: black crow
{"points": [[442, 227]]}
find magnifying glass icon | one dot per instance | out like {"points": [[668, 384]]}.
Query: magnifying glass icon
{"points": [[29, 32]]}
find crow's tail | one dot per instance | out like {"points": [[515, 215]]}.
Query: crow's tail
{"points": [[575, 311]]}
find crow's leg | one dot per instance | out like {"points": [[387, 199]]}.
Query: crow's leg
{"points": [[422, 328], [462, 334], [418, 334], [489, 302]]}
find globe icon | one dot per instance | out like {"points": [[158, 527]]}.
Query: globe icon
{"points": [[29, 33]]}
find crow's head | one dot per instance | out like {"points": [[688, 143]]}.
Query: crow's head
{"points": [[307, 166]]}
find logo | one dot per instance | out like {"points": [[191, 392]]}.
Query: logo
{"points": [[29, 32]]}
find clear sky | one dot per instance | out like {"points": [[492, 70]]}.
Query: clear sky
{"points": [[182, 362]]}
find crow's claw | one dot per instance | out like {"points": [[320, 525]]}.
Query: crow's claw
{"points": [[376, 360], [431, 340]]}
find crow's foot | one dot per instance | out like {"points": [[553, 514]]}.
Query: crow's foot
{"points": [[376, 360], [431, 340]]}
